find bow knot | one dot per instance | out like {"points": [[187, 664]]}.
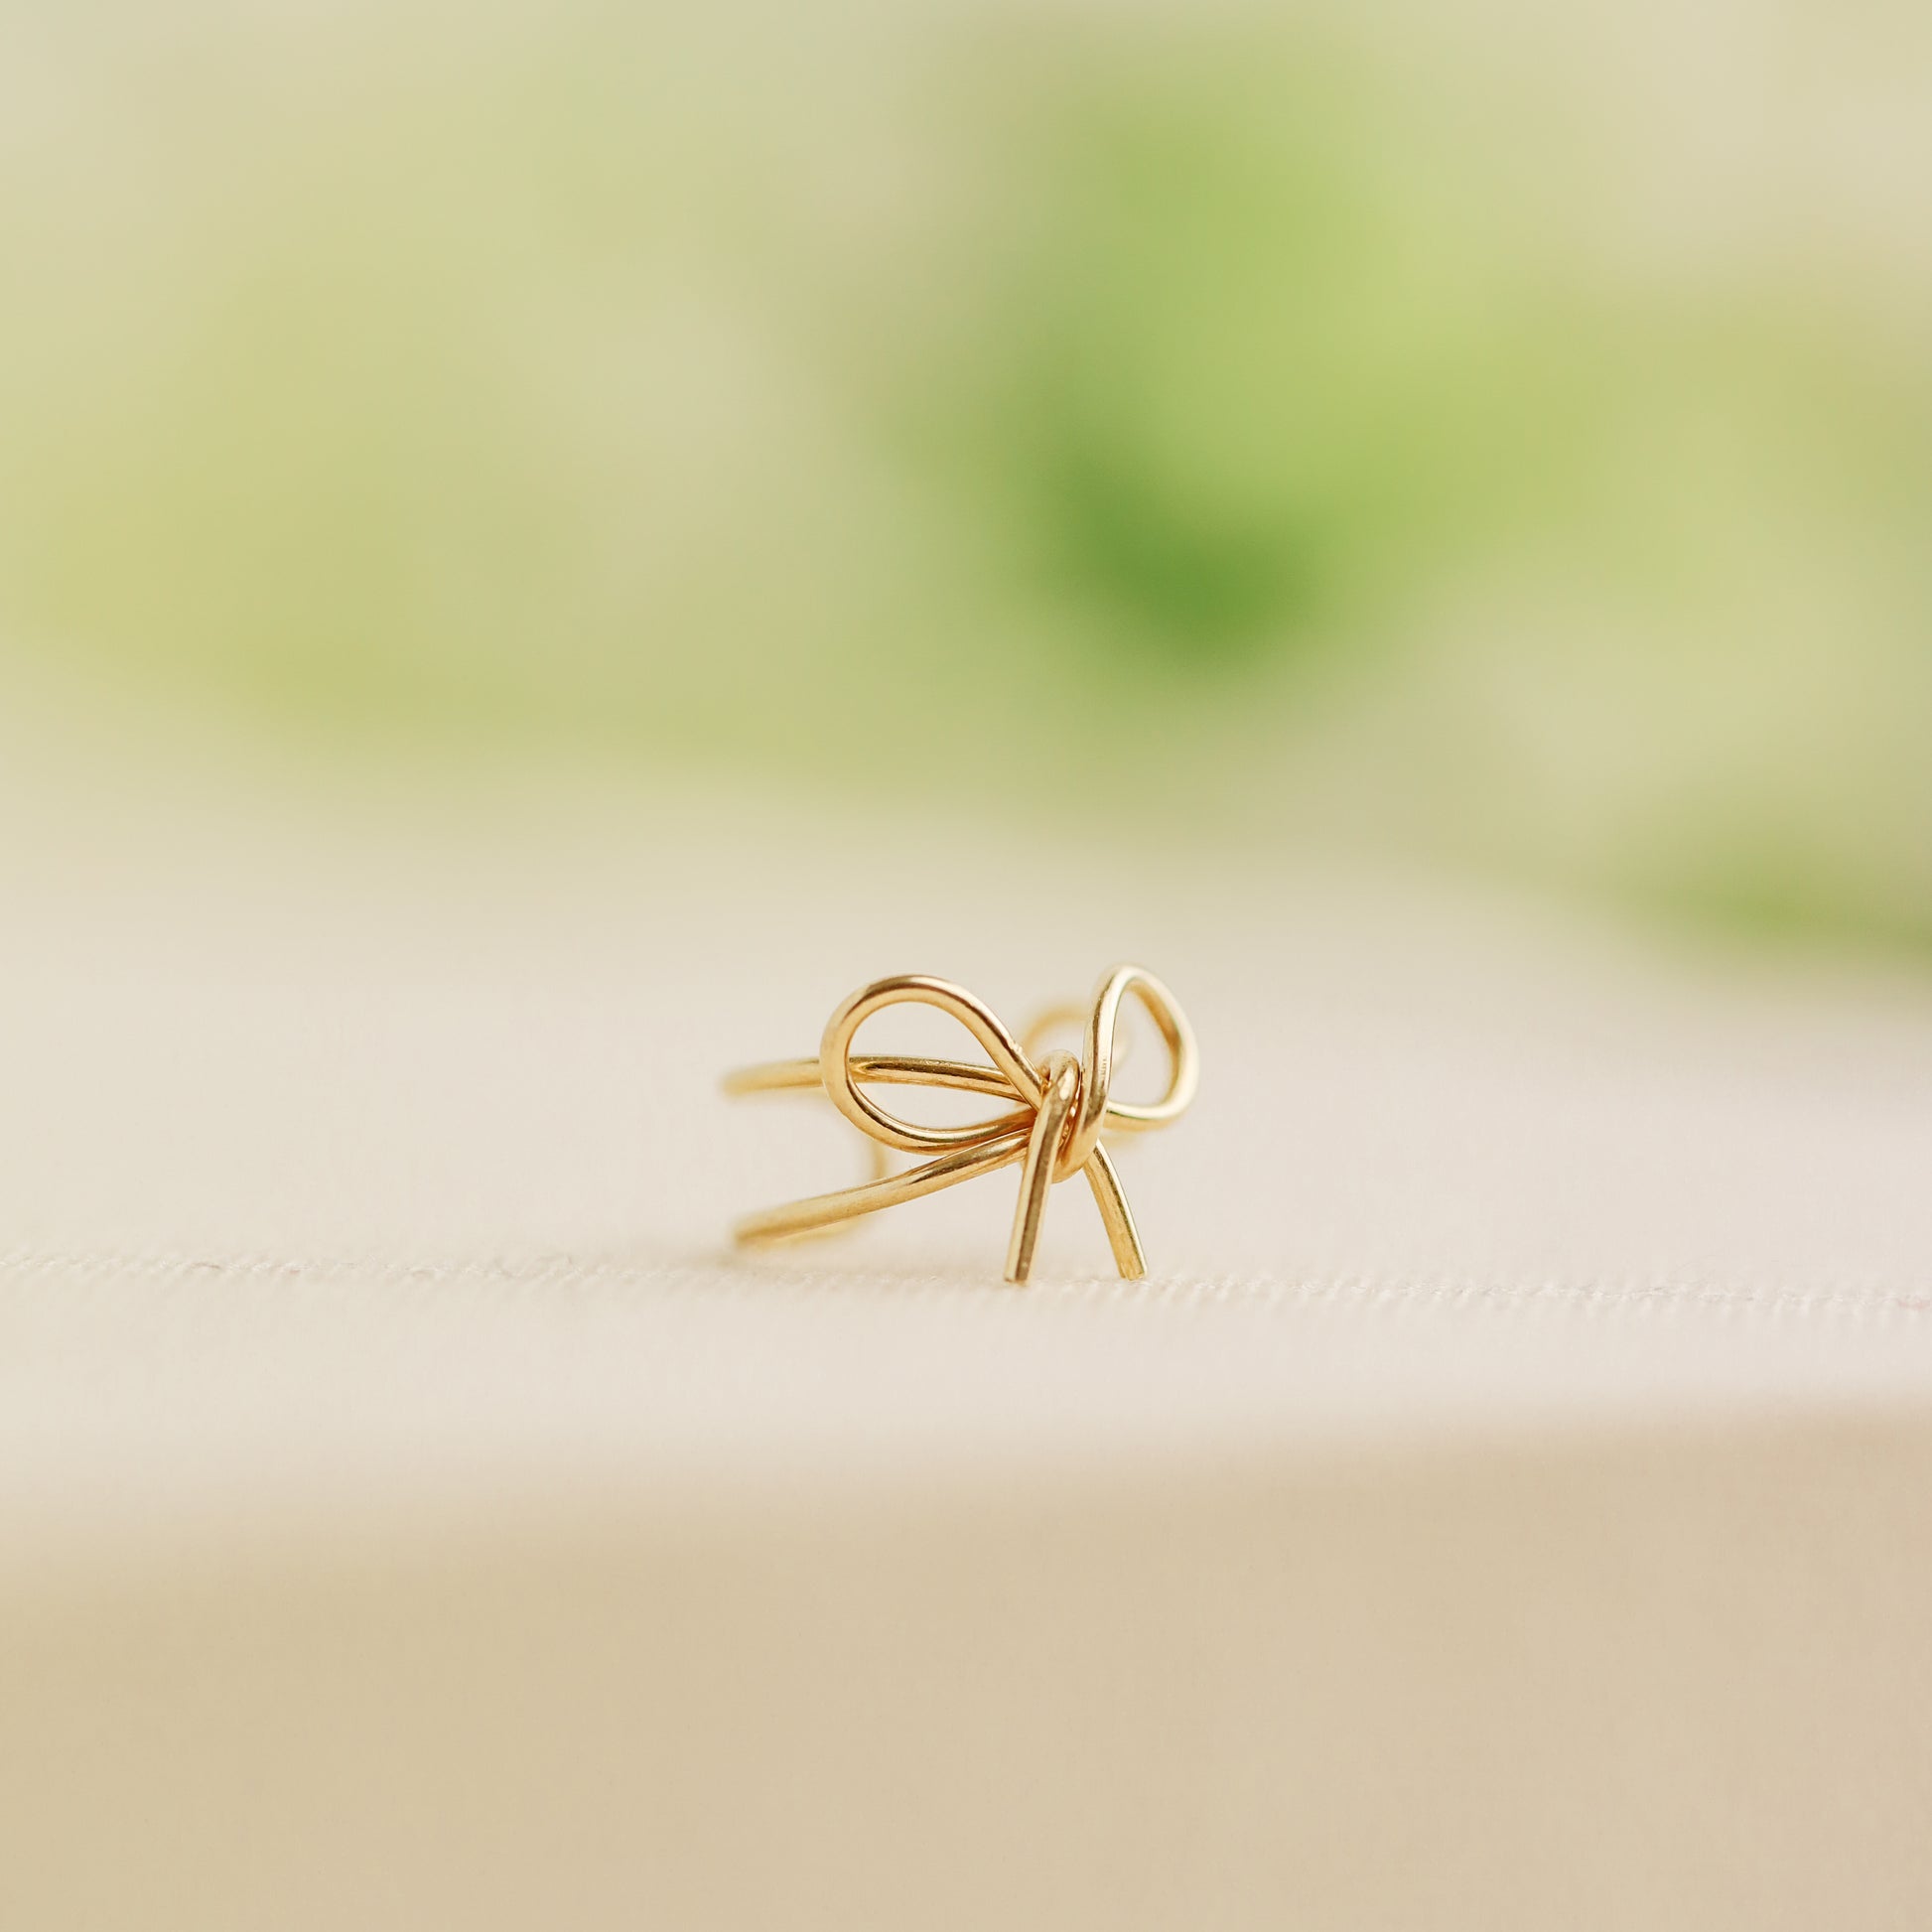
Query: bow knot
{"points": [[1060, 1105]]}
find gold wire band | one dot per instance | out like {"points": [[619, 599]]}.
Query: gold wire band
{"points": [[1063, 1104]]}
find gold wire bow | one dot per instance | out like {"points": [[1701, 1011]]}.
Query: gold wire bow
{"points": [[1062, 1106]]}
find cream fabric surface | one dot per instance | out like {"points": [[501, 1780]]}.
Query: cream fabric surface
{"points": [[1507, 1503]]}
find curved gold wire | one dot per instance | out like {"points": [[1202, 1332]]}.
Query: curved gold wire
{"points": [[1061, 1105]]}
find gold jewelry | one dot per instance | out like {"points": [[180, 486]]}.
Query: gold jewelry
{"points": [[1062, 1106]]}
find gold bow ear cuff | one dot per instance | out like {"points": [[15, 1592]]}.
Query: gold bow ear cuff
{"points": [[1060, 1108]]}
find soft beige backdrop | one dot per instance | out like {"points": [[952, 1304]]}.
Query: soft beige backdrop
{"points": [[1504, 1506]]}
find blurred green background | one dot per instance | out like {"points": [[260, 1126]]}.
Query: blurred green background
{"points": [[1479, 436]]}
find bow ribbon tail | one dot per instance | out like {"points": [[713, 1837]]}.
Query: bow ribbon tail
{"points": [[1060, 1084], [1130, 1258], [1059, 1079]]}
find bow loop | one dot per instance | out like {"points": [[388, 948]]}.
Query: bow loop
{"points": [[1017, 1077], [1099, 1110]]}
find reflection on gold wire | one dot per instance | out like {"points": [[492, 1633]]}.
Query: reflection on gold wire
{"points": [[1061, 1107]]}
